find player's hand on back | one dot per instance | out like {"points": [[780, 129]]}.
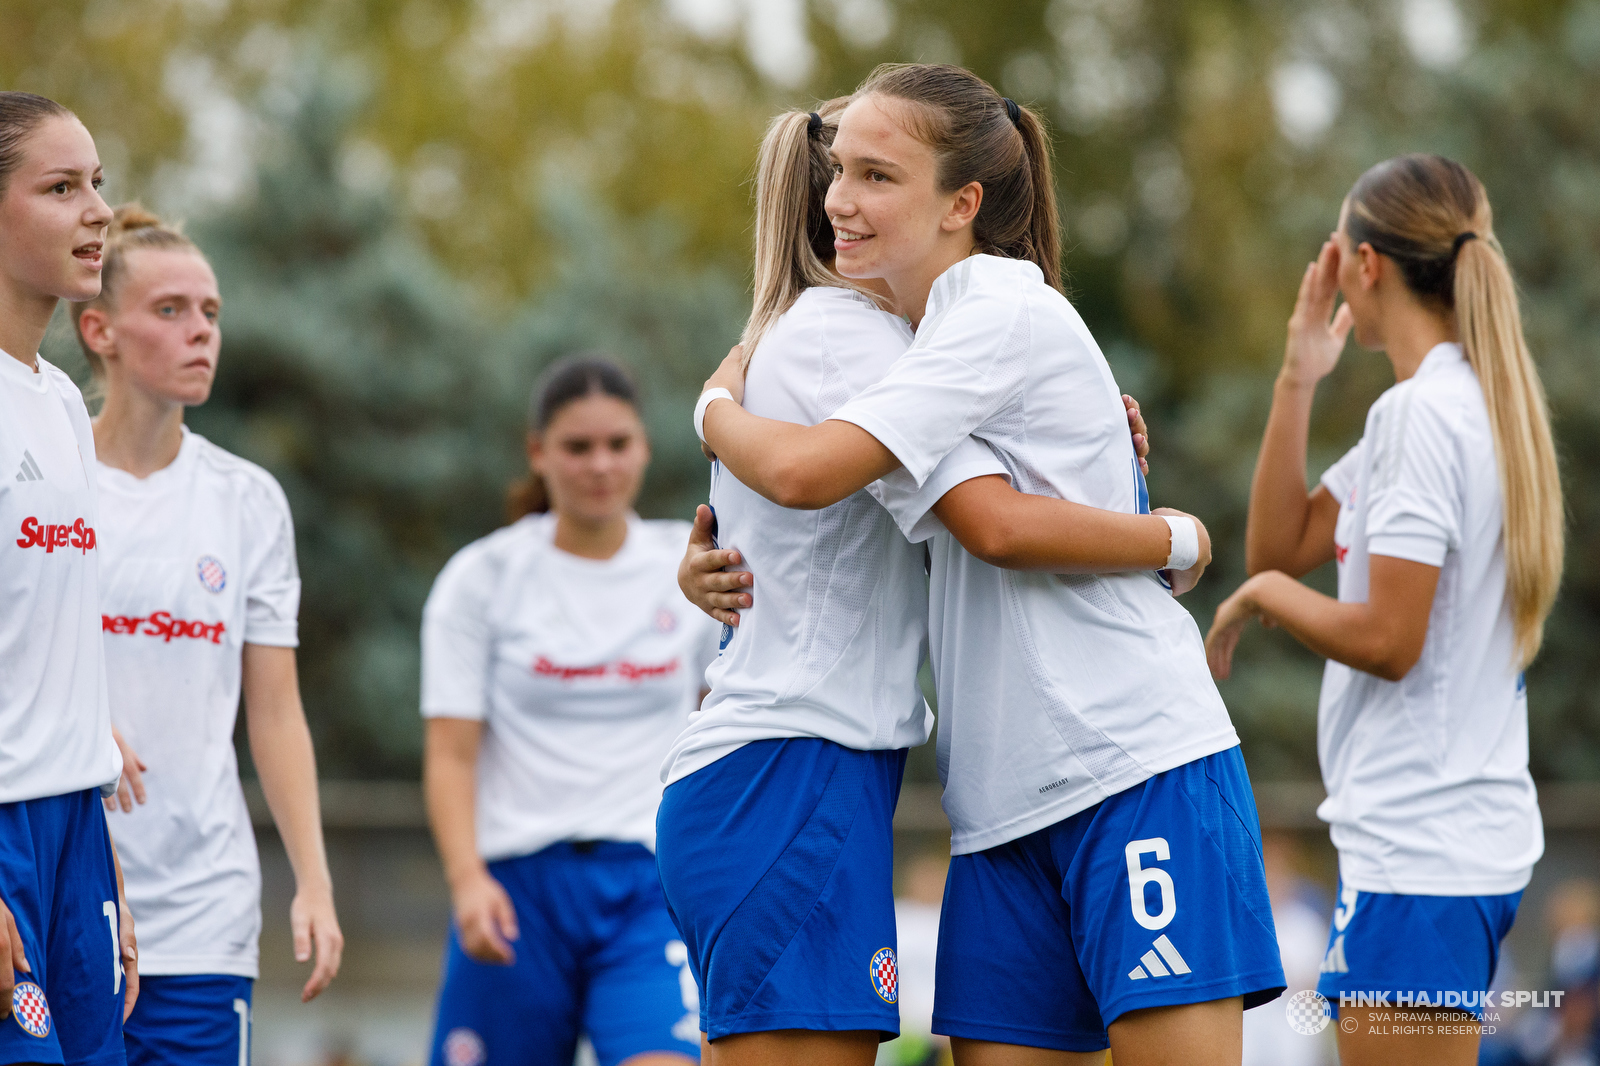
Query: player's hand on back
{"points": [[1184, 580], [315, 925], [703, 580], [486, 920], [130, 787], [1141, 432]]}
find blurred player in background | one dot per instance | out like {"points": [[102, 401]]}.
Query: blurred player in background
{"points": [[68, 969], [199, 599], [558, 662], [1446, 522]]}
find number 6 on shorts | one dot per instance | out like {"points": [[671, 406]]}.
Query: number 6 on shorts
{"points": [[1139, 876]]}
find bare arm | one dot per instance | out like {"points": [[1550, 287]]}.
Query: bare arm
{"points": [[803, 467], [280, 744], [1289, 528], [485, 918], [1017, 531], [127, 942], [1382, 637]]}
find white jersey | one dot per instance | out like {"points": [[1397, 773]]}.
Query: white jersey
{"points": [[838, 626], [55, 730], [1055, 692], [1427, 777], [198, 561], [581, 670]]}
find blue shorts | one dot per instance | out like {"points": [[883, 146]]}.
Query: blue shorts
{"points": [[57, 878], [1415, 951], [778, 864], [597, 955], [1151, 898], [184, 1019]]}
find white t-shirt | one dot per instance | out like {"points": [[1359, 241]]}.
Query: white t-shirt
{"points": [[1055, 691], [1427, 777], [831, 644], [582, 671], [55, 730], [198, 560]]}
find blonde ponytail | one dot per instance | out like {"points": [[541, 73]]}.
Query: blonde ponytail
{"points": [[1431, 215], [1490, 326], [794, 240]]}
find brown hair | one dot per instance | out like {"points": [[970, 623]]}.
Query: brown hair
{"points": [[571, 378], [1431, 216], [20, 115], [132, 229], [794, 240], [980, 136]]}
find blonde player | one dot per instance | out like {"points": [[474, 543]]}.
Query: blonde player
{"points": [[67, 966], [1446, 523], [199, 596], [558, 662], [1107, 871]]}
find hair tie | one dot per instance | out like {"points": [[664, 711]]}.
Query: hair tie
{"points": [[1455, 249], [1013, 112], [814, 126]]}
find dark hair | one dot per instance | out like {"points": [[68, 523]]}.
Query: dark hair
{"points": [[20, 114], [975, 138], [571, 378], [1415, 209]]}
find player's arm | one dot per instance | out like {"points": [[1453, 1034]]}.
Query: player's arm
{"points": [[130, 787], [485, 918], [127, 942], [1382, 637], [280, 745]]}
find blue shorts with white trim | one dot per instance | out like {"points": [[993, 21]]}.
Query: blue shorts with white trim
{"points": [[1153, 897], [597, 955], [57, 879], [190, 1020], [778, 862], [1415, 952]]}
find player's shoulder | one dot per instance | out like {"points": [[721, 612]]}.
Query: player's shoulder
{"points": [[1443, 397], [837, 310], [664, 536], [478, 568], [60, 380], [257, 489]]}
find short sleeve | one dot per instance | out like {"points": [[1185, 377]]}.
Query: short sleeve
{"points": [[965, 367], [911, 505], [1415, 494], [456, 644], [1340, 478], [272, 585]]}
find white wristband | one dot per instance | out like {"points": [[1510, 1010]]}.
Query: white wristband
{"points": [[700, 409], [1185, 544]]}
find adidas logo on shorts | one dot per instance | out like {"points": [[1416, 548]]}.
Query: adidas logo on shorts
{"points": [[1152, 961]]}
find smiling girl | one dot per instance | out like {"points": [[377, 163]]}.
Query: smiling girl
{"points": [[67, 961], [1107, 869], [200, 594]]}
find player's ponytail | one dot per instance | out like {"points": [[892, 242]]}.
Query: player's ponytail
{"points": [[133, 228], [794, 240], [565, 380], [1432, 217], [20, 115], [978, 135]]}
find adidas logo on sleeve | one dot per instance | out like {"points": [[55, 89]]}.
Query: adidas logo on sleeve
{"points": [[1152, 961], [30, 469]]}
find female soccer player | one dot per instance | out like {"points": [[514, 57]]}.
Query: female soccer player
{"points": [[1446, 522], [68, 969], [775, 849], [1107, 867], [548, 713], [199, 599]]}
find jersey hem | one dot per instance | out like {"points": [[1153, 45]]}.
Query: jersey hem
{"points": [[1412, 547], [273, 636], [1442, 886], [1082, 1040], [197, 965], [1225, 988], [966, 842], [818, 1021]]}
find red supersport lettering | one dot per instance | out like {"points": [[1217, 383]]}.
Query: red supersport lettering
{"points": [[162, 624], [624, 669], [1340, 551], [37, 534]]}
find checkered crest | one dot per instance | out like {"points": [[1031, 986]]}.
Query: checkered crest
{"points": [[886, 975], [30, 1009]]}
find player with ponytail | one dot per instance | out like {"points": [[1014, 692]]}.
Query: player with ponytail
{"points": [[1446, 522], [1107, 871]]}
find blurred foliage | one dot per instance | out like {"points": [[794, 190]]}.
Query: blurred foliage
{"points": [[414, 205]]}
